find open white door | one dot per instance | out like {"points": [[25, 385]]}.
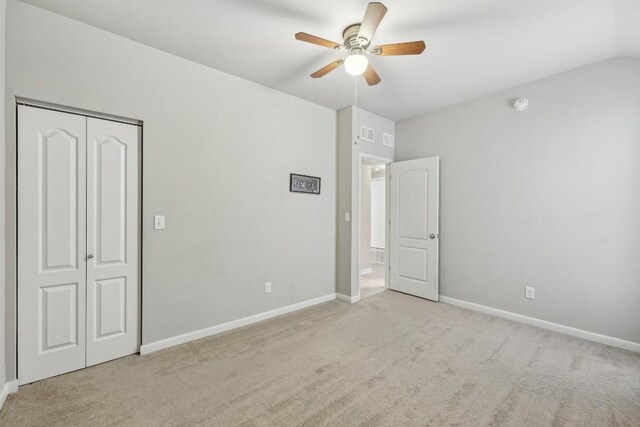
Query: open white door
{"points": [[413, 235]]}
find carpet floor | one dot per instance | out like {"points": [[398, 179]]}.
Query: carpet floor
{"points": [[389, 360]]}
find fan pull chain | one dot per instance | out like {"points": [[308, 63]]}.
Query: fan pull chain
{"points": [[355, 103]]}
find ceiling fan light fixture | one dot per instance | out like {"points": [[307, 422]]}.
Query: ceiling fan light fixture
{"points": [[357, 41], [356, 63]]}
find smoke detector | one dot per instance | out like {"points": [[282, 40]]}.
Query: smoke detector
{"points": [[521, 104]]}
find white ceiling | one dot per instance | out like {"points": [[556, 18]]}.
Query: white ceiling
{"points": [[473, 48]]}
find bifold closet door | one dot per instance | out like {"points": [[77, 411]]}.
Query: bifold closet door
{"points": [[51, 243], [112, 240], [78, 242]]}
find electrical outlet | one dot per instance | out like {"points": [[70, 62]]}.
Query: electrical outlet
{"points": [[267, 287], [529, 292]]}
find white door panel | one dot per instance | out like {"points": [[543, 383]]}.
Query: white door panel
{"points": [[112, 240], [413, 236], [412, 263], [51, 249]]}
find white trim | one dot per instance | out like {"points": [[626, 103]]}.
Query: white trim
{"points": [[366, 271], [78, 111], [347, 298], [3, 394], [356, 201], [544, 324], [9, 387], [213, 330]]}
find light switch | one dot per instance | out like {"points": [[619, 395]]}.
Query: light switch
{"points": [[347, 216], [158, 222]]}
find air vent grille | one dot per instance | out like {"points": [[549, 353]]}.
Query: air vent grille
{"points": [[388, 140], [366, 134]]}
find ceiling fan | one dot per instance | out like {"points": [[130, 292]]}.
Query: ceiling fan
{"points": [[357, 41]]}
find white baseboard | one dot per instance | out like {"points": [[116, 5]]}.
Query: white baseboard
{"points": [[347, 298], [366, 271], [213, 330], [10, 387], [544, 324]]}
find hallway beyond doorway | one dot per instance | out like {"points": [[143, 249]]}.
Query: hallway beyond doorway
{"points": [[372, 283]]}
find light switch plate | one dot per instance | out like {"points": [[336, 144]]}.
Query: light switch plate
{"points": [[158, 222], [347, 216]]}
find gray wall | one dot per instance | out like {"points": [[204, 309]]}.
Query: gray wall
{"points": [[348, 182], [365, 217], [218, 151], [3, 6], [343, 178], [548, 198]]}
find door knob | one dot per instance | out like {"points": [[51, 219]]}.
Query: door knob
{"points": [[90, 256], [432, 236]]}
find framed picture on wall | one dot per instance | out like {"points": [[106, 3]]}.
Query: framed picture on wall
{"points": [[304, 184]]}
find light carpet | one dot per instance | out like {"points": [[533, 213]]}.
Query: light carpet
{"points": [[389, 360]]}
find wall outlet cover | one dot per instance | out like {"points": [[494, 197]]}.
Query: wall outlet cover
{"points": [[267, 287], [529, 292]]}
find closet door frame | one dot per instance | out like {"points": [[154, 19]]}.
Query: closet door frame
{"points": [[13, 205]]}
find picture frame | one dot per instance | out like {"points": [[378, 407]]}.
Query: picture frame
{"points": [[299, 183]]}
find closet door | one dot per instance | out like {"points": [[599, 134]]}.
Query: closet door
{"points": [[112, 240], [51, 243]]}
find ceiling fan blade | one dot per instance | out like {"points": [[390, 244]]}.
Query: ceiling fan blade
{"points": [[316, 40], [408, 48], [372, 18], [371, 76], [327, 69]]}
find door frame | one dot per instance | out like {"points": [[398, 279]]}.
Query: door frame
{"points": [[14, 252], [355, 221]]}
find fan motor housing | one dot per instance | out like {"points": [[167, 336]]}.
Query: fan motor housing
{"points": [[350, 35]]}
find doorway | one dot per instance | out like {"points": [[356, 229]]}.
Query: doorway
{"points": [[78, 240], [373, 220]]}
